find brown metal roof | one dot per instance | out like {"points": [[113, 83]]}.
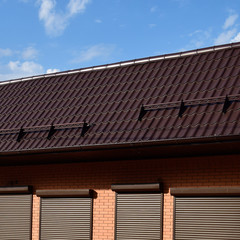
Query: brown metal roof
{"points": [[182, 96]]}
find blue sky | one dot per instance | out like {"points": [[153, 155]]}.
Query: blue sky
{"points": [[43, 36]]}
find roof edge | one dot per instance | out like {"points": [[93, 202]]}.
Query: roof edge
{"points": [[126, 63], [168, 142]]}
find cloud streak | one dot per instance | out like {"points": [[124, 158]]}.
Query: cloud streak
{"points": [[198, 39], [230, 31], [29, 53], [5, 52], [236, 38], [98, 21], [153, 9], [56, 22], [225, 37], [102, 51], [229, 22]]}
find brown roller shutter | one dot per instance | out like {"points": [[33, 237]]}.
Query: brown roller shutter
{"points": [[207, 218], [15, 216], [66, 218], [138, 216]]}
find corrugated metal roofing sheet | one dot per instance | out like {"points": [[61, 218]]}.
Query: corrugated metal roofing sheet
{"points": [[110, 97]]}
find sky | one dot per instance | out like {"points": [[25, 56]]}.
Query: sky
{"points": [[47, 36]]}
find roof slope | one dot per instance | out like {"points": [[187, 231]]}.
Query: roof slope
{"points": [[109, 99]]}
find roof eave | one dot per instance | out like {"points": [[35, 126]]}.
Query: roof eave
{"points": [[167, 142]]}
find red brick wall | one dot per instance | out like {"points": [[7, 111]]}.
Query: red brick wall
{"points": [[188, 172]]}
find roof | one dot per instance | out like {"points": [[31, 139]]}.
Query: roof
{"points": [[190, 95]]}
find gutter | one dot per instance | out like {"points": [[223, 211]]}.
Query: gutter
{"points": [[127, 145]]}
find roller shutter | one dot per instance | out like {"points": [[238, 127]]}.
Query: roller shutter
{"points": [[66, 218], [207, 218], [15, 216], [138, 216]]}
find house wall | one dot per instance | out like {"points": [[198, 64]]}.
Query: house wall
{"points": [[181, 172]]}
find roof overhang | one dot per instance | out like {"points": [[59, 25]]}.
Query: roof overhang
{"points": [[176, 148]]}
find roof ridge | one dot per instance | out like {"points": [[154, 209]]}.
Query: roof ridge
{"points": [[128, 62]]}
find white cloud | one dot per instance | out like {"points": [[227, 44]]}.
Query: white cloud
{"points": [[93, 52], [182, 3], [20, 63], [153, 9], [152, 25], [225, 37], [52, 70], [27, 67], [5, 52], [29, 53], [230, 35], [230, 21], [18, 69], [77, 6], [201, 33], [194, 33], [198, 38], [56, 22], [98, 21], [26, 54], [236, 38]]}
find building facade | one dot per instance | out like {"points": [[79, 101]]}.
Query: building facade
{"points": [[137, 150]]}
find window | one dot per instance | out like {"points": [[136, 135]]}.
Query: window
{"points": [[15, 213], [65, 214], [138, 211], [206, 213]]}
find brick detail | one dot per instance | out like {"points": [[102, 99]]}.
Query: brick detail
{"points": [[35, 217]]}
